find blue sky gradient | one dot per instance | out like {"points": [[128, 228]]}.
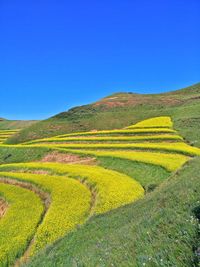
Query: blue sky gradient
{"points": [[58, 54]]}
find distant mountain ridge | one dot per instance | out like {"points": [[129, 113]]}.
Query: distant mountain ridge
{"points": [[120, 110]]}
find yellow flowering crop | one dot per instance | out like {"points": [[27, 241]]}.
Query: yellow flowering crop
{"points": [[153, 122], [69, 207], [168, 147], [70, 199], [113, 189], [170, 162], [19, 223], [121, 138], [9, 131], [121, 131], [4, 134]]}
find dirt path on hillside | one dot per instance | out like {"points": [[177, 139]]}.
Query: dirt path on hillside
{"points": [[56, 156], [3, 207]]}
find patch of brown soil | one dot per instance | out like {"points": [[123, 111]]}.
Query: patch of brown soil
{"points": [[110, 104], [3, 207], [135, 100], [67, 158], [39, 172]]}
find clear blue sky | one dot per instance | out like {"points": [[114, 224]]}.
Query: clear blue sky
{"points": [[58, 54]]}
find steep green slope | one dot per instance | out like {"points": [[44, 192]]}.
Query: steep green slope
{"points": [[130, 108]]}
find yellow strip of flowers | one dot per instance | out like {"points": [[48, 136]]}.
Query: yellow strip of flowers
{"points": [[163, 121], [179, 147], [114, 189], [19, 224], [70, 205], [109, 138], [170, 162], [121, 131]]}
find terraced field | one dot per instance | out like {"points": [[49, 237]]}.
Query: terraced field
{"points": [[51, 199], [78, 192], [148, 141], [5, 134], [19, 223]]}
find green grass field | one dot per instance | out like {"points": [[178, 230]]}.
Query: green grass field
{"points": [[123, 194]]}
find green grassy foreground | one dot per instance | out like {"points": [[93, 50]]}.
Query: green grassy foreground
{"points": [[160, 230]]}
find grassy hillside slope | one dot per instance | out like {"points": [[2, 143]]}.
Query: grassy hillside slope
{"points": [[130, 108], [14, 124]]}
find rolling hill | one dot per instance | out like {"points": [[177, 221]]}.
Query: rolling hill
{"points": [[129, 107], [82, 192]]}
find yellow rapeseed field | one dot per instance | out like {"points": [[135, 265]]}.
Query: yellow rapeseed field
{"points": [[157, 122], [170, 162], [122, 138], [70, 205], [106, 182], [178, 147], [121, 131], [4, 134], [19, 224]]}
